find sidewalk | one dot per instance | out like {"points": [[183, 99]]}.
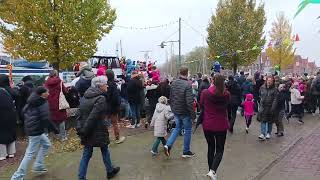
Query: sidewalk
{"points": [[245, 157]]}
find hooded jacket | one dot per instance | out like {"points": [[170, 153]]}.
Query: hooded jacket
{"points": [[160, 119], [90, 124], [235, 92], [36, 116], [248, 105], [215, 110], [268, 104], [54, 86]]}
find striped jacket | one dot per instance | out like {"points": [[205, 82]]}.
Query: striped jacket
{"points": [[181, 99]]}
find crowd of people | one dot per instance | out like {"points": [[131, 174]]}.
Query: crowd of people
{"points": [[103, 100]]}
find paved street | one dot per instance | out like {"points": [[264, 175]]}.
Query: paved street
{"points": [[294, 156]]}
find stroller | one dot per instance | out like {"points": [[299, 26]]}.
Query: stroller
{"points": [[171, 125]]}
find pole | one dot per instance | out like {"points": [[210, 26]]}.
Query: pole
{"points": [[179, 63]]}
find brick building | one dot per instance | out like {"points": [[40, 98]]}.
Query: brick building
{"points": [[299, 66]]}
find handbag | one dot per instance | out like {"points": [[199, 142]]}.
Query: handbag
{"points": [[63, 103]]}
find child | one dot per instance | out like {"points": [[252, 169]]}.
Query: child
{"points": [[248, 106], [160, 119], [296, 103]]}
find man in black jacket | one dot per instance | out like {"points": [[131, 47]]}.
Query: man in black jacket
{"points": [[36, 119], [181, 100], [91, 127], [235, 92]]}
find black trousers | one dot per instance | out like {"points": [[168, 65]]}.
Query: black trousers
{"points": [[297, 110], [232, 115], [215, 141]]}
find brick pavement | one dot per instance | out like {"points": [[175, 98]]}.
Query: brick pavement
{"points": [[302, 162]]}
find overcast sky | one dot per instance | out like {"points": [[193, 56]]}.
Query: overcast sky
{"points": [[196, 13]]}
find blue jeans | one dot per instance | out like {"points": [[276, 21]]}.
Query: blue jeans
{"points": [[62, 131], [181, 121], [126, 108], [266, 128], [35, 142], [86, 156], [135, 110]]}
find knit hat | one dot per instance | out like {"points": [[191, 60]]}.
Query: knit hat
{"points": [[40, 90]]}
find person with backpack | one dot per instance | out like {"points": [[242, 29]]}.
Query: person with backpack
{"points": [[36, 119]]}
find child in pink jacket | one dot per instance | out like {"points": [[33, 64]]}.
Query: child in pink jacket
{"points": [[248, 106]]}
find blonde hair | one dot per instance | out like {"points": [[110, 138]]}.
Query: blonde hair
{"points": [[163, 100]]}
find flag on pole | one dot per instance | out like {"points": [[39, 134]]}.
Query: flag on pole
{"points": [[297, 38]]}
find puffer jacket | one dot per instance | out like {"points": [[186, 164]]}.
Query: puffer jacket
{"points": [[8, 118], [268, 104], [134, 91], [36, 116], [90, 124], [181, 98], [160, 119], [235, 92]]}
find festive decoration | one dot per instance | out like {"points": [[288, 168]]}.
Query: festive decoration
{"points": [[303, 4], [147, 28], [297, 38], [217, 67]]}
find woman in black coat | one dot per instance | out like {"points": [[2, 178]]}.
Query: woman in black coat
{"points": [[7, 120]]}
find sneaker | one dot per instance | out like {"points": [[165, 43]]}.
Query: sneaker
{"points": [[2, 158], [247, 130], [268, 136], [153, 153], [300, 121], [114, 172], [11, 156], [188, 154], [167, 150], [212, 175], [261, 137], [280, 134], [120, 140], [138, 125], [131, 126], [43, 170]]}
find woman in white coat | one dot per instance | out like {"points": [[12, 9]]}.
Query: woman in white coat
{"points": [[160, 119]]}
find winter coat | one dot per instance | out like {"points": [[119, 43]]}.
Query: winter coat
{"points": [[90, 124], [153, 96], [181, 98], [155, 76], [314, 90], [164, 89], [54, 86], [25, 91], [114, 99], [296, 97], [248, 105], [215, 110], [247, 88], [160, 119], [124, 91], [241, 80], [235, 93], [129, 68], [134, 91], [268, 104], [8, 118], [282, 98], [256, 89], [82, 85], [36, 116]]}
